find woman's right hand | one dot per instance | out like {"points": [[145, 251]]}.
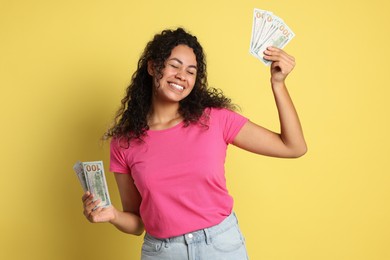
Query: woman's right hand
{"points": [[96, 214]]}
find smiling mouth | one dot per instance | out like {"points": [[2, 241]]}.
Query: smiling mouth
{"points": [[176, 86]]}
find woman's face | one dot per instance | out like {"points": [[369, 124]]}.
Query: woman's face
{"points": [[178, 76]]}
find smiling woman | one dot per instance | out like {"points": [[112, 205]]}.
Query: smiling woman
{"points": [[179, 55], [170, 139], [178, 78]]}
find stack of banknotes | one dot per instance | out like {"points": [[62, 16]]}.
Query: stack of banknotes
{"points": [[92, 179], [268, 30]]}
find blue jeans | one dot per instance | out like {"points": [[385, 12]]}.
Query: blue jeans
{"points": [[220, 242]]}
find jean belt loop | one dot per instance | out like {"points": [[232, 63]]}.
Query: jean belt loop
{"points": [[207, 235], [166, 242]]}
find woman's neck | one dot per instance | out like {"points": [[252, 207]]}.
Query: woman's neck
{"points": [[163, 116]]}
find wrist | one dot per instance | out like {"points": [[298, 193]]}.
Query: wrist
{"points": [[114, 215], [276, 84]]}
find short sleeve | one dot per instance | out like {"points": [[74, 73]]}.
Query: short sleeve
{"points": [[231, 123], [117, 158]]}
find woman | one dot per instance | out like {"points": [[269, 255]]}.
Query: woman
{"points": [[168, 149]]}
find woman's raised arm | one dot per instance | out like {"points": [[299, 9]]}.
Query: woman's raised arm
{"points": [[290, 142]]}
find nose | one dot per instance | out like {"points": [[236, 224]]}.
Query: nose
{"points": [[180, 75]]}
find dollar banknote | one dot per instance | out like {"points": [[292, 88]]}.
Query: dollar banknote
{"points": [[78, 168], [268, 30], [92, 179]]}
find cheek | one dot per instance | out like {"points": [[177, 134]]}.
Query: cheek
{"points": [[156, 83], [193, 81], [157, 80]]}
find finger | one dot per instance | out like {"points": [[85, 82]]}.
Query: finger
{"points": [[278, 50], [90, 210], [284, 62], [89, 199], [88, 203], [276, 56], [94, 216], [95, 204], [272, 53], [282, 67], [92, 206], [85, 196]]}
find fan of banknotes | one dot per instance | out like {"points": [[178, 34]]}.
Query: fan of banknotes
{"points": [[92, 179], [268, 30]]}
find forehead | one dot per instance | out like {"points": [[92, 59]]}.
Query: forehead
{"points": [[183, 53]]}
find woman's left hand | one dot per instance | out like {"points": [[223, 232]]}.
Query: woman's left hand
{"points": [[282, 63]]}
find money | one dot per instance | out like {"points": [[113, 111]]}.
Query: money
{"points": [[92, 179], [268, 30], [78, 168]]}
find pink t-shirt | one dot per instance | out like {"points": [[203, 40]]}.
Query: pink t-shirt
{"points": [[179, 173]]}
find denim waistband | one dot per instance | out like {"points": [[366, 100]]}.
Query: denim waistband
{"points": [[203, 234]]}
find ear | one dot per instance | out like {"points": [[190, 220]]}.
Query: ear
{"points": [[150, 68]]}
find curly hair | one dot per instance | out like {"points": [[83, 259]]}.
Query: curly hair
{"points": [[131, 119]]}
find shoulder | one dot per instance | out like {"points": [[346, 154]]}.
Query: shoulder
{"points": [[122, 143], [216, 111], [118, 142], [227, 121], [224, 114], [224, 117]]}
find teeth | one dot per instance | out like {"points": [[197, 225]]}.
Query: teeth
{"points": [[178, 87]]}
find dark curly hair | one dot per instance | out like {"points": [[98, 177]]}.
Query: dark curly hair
{"points": [[131, 119]]}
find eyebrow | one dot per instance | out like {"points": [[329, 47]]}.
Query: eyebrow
{"points": [[179, 61]]}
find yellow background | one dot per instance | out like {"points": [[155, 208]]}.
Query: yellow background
{"points": [[64, 66]]}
